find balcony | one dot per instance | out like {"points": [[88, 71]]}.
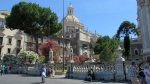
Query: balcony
{"points": [[30, 41], [31, 48], [1, 45], [19, 47]]}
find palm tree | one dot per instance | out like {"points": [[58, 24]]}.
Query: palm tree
{"points": [[125, 30]]}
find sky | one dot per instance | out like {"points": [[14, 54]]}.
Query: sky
{"points": [[104, 16]]}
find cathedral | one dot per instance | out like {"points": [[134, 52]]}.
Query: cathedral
{"points": [[80, 38]]}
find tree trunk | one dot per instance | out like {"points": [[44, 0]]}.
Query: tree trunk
{"points": [[42, 39], [36, 44]]}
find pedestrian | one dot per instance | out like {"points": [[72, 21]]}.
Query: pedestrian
{"points": [[10, 68], [133, 71], [7, 68], [147, 73], [50, 71], [43, 73], [91, 74], [141, 74], [1, 70]]}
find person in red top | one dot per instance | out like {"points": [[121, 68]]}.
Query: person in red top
{"points": [[10, 69]]}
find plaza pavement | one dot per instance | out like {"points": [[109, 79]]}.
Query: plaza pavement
{"points": [[23, 79]]}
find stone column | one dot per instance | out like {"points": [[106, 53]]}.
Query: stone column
{"points": [[71, 55], [119, 75]]}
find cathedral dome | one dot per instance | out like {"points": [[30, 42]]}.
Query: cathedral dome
{"points": [[70, 15], [71, 18]]}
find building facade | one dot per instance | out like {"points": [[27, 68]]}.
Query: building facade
{"points": [[13, 41], [143, 13], [80, 38]]}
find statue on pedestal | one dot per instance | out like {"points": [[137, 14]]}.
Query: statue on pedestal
{"points": [[51, 54], [71, 54]]}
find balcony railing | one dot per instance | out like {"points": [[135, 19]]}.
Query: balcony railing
{"points": [[19, 47]]}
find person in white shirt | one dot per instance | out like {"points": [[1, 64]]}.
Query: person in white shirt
{"points": [[147, 73]]}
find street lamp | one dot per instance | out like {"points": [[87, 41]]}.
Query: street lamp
{"points": [[90, 46], [63, 39], [49, 24]]}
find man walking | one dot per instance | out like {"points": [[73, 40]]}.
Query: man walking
{"points": [[133, 71]]}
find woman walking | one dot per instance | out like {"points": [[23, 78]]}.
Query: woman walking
{"points": [[141, 74], [43, 73]]}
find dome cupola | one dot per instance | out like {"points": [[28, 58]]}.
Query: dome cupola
{"points": [[70, 10]]}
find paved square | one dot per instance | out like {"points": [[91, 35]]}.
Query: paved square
{"points": [[23, 79]]}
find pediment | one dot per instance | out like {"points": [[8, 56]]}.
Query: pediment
{"points": [[19, 37]]}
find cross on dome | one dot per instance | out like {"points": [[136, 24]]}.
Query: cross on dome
{"points": [[70, 5]]}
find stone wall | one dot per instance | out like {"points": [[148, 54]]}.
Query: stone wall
{"points": [[103, 71]]}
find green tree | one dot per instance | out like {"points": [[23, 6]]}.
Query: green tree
{"points": [[127, 28], [106, 48], [34, 20], [127, 46]]}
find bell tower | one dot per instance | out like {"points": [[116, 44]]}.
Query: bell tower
{"points": [[143, 13]]}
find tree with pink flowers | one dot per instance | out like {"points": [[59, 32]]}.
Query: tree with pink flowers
{"points": [[45, 48]]}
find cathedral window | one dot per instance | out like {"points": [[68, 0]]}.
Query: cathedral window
{"points": [[8, 50], [1, 40], [9, 40]]}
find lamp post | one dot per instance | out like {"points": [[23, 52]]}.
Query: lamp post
{"points": [[49, 24], [63, 40]]}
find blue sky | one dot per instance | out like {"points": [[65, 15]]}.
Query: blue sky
{"points": [[104, 16]]}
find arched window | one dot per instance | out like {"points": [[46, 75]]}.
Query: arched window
{"points": [[84, 46]]}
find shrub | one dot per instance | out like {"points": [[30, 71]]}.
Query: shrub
{"points": [[10, 59], [42, 59], [28, 56], [83, 58]]}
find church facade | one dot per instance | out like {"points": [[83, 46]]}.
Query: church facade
{"points": [[80, 39]]}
